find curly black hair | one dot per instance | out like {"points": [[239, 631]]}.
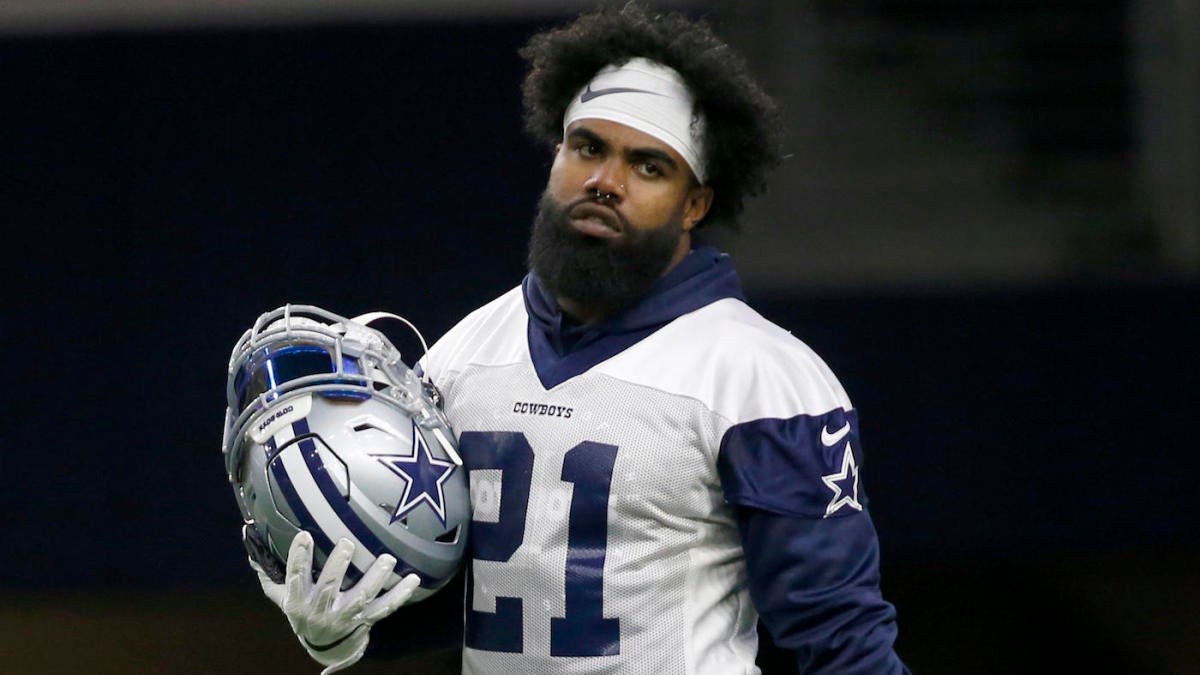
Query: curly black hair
{"points": [[741, 131]]}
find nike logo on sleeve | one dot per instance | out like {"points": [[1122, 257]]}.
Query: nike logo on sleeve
{"points": [[830, 440]]}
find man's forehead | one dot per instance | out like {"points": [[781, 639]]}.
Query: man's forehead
{"points": [[617, 134]]}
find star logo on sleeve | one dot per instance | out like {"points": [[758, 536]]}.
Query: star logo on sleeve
{"points": [[424, 478], [844, 485]]}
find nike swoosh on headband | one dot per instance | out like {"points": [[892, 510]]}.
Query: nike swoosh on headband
{"points": [[829, 440], [588, 94]]}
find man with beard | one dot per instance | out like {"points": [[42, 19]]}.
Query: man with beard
{"points": [[654, 466]]}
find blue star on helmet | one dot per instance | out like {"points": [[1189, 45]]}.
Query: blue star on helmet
{"points": [[844, 485], [424, 478]]}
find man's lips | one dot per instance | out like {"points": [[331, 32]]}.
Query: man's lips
{"points": [[595, 220]]}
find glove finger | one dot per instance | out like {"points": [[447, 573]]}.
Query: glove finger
{"points": [[329, 584], [394, 599], [299, 573], [372, 582]]}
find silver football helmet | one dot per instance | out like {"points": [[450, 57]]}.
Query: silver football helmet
{"points": [[328, 431]]}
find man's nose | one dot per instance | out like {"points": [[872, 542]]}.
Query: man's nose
{"points": [[607, 181]]}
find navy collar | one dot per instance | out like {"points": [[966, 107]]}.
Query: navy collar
{"points": [[561, 349]]}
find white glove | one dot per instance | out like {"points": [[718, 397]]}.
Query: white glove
{"points": [[334, 626]]}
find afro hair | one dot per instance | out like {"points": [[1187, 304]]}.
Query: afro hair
{"points": [[741, 130]]}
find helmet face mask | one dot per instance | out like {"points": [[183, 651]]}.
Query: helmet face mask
{"points": [[328, 431]]}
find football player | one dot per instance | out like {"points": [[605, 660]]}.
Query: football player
{"points": [[654, 467]]}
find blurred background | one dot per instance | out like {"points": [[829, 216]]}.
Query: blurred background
{"points": [[988, 223]]}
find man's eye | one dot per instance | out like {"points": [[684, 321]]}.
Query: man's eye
{"points": [[588, 150], [649, 169]]}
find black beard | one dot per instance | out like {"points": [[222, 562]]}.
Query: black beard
{"points": [[605, 274]]}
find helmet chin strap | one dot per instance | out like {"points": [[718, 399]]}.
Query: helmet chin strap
{"points": [[366, 319]]}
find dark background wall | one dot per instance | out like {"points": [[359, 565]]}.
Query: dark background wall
{"points": [[1030, 459]]}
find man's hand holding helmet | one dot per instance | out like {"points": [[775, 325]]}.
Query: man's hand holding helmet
{"points": [[334, 625]]}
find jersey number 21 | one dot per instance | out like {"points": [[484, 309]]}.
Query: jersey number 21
{"points": [[588, 467]]}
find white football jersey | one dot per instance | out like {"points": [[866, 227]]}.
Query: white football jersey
{"points": [[602, 541]]}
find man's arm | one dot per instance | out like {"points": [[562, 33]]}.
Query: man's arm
{"points": [[815, 582]]}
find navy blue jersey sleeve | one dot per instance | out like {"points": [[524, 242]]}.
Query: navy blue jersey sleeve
{"points": [[812, 555], [815, 582], [806, 466]]}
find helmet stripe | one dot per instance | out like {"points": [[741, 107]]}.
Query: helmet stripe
{"points": [[304, 517], [341, 507]]}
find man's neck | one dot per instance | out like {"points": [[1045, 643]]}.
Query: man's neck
{"points": [[581, 313]]}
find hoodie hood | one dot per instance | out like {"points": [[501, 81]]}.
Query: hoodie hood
{"points": [[561, 350]]}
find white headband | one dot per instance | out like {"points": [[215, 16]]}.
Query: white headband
{"points": [[649, 97]]}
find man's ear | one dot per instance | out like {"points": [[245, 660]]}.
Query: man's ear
{"points": [[696, 205]]}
